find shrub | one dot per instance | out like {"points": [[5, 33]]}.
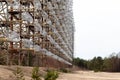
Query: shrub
{"points": [[35, 74], [96, 70], [64, 70], [19, 74], [51, 75]]}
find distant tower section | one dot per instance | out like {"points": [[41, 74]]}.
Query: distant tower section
{"points": [[36, 32]]}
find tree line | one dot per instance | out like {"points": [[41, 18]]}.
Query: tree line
{"points": [[108, 64]]}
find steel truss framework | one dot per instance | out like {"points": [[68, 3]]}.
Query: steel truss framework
{"points": [[43, 28]]}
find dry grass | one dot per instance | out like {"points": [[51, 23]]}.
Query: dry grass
{"points": [[6, 73], [90, 75]]}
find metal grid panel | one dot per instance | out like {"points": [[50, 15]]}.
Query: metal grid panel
{"points": [[41, 27]]}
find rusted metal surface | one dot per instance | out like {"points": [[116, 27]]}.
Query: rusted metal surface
{"points": [[43, 28]]}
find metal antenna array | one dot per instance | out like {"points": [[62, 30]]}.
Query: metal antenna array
{"points": [[37, 32]]}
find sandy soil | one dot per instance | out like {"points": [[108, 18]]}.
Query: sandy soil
{"points": [[6, 73], [89, 75]]}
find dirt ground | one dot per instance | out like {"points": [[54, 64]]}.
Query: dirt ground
{"points": [[89, 75], [6, 73]]}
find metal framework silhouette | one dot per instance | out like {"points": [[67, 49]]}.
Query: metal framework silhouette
{"points": [[41, 28]]}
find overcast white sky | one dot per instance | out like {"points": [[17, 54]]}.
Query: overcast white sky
{"points": [[97, 25]]}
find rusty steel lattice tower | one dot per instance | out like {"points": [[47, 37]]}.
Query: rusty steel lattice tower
{"points": [[36, 32]]}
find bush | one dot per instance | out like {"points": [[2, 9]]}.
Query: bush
{"points": [[35, 74], [19, 74], [96, 70], [51, 75], [64, 70]]}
